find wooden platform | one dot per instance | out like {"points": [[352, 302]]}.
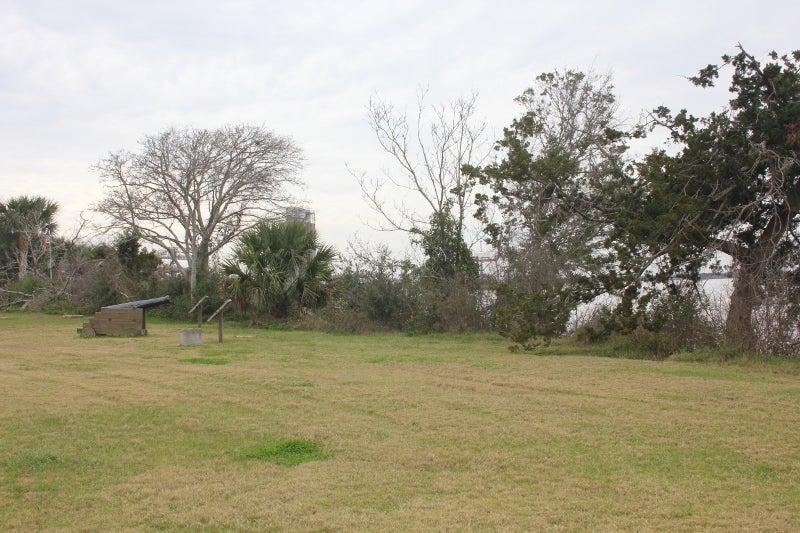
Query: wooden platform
{"points": [[118, 322]]}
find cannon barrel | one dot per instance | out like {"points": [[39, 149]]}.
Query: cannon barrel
{"points": [[141, 304]]}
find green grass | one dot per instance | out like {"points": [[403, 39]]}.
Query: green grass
{"points": [[205, 361], [288, 452], [310, 432]]}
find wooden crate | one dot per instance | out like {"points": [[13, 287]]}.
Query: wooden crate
{"points": [[119, 322]]}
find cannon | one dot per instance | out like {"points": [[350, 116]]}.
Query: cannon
{"points": [[140, 304], [126, 319]]}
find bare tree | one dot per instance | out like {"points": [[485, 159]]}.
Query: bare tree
{"points": [[429, 150], [190, 192]]}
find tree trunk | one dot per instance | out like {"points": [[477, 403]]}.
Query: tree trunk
{"points": [[200, 267], [22, 252], [204, 259], [193, 273], [193, 278], [739, 322], [753, 264]]}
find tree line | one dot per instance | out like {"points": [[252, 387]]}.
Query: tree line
{"points": [[574, 216]]}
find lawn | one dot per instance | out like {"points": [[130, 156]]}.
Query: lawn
{"points": [[298, 431]]}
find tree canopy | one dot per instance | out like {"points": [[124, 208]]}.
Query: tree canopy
{"points": [[570, 210], [734, 185], [191, 192], [547, 203], [26, 226], [575, 215]]}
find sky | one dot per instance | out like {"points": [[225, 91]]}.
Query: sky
{"points": [[84, 78]]}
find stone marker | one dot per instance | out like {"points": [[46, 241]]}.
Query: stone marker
{"points": [[191, 337]]}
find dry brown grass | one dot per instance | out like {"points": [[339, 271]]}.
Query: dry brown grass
{"points": [[422, 434]]}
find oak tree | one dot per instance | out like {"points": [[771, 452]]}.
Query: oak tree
{"points": [[734, 185], [191, 192]]}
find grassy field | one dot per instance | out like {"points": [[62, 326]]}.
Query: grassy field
{"points": [[297, 431]]}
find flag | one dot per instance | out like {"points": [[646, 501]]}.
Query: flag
{"points": [[46, 239]]}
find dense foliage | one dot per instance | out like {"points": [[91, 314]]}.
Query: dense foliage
{"points": [[573, 217], [734, 185], [279, 269], [26, 226], [549, 204]]}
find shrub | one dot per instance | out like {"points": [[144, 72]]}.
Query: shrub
{"points": [[677, 319], [370, 287], [777, 326]]}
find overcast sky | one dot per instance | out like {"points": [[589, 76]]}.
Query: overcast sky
{"points": [[82, 78]]}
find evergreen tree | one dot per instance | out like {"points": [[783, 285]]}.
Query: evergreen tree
{"points": [[279, 267]]}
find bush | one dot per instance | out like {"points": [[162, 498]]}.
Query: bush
{"points": [[675, 320], [181, 299], [597, 327], [776, 321], [333, 320], [460, 309], [97, 283], [370, 288], [377, 292], [649, 344], [26, 285]]}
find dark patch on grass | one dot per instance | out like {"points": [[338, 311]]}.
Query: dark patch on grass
{"points": [[410, 358], [31, 463], [287, 452], [205, 361]]}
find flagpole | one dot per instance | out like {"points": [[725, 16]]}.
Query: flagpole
{"points": [[49, 245]]}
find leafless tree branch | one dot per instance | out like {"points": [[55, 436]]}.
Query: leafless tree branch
{"points": [[191, 192], [428, 154]]}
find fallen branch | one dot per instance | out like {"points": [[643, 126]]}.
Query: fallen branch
{"points": [[12, 304], [17, 293]]}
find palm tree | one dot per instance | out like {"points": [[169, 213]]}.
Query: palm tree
{"points": [[279, 267], [24, 222]]}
